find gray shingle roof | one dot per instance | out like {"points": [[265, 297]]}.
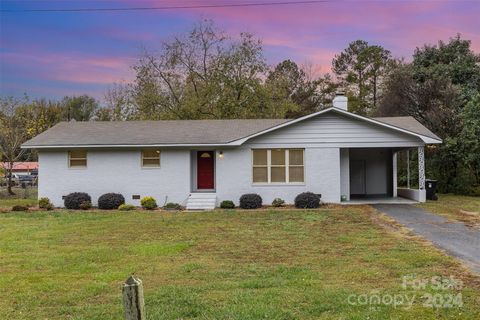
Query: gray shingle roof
{"points": [[176, 132], [151, 132], [408, 123]]}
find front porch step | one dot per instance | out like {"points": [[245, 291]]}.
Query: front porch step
{"points": [[202, 201]]}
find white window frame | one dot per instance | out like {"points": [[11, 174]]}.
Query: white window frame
{"points": [[151, 158], [287, 172], [70, 160], [287, 167]]}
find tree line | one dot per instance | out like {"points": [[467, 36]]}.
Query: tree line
{"points": [[207, 74]]}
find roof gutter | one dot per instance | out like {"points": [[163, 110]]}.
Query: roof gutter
{"points": [[92, 146]]}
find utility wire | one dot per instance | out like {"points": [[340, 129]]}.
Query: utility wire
{"points": [[226, 5]]}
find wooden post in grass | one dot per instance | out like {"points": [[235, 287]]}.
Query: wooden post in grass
{"points": [[133, 299]]}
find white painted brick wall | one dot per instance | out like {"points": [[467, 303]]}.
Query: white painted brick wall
{"points": [[322, 175], [121, 172], [115, 171]]}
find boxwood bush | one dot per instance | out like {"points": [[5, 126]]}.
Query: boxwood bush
{"points": [[307, 200], [148, 203], [172, 206], [227, 204], [109, 201], [277, 202], [73, 200], [250, 201], [44, 203], [126, 207]]}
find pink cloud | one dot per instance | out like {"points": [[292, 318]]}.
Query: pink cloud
{"points": [[316, 32], [47, 91], [399, 26], [125, 35], [73, 68]]}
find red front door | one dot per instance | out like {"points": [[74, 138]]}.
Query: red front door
{"points": [[205, 170]]}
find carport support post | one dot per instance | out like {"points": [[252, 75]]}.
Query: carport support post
{"points": [[421, 168], [394, 171], [408, 168]]}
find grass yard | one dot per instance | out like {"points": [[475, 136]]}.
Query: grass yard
{"points": [[267, 264], [459, 208]]}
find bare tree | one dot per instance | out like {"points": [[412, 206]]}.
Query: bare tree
{"points": [[203, 75], [12, 135], [119, 102]]}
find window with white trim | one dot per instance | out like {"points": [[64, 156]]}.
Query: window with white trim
{"points": [[77, 159], [278, 166], [151, 158]]}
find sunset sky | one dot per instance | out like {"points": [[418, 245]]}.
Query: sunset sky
{"points": [[52, 54]]}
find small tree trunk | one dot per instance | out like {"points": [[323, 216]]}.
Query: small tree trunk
{"points": [[10, 172]]}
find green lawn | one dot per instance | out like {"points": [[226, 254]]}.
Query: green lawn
{"points": [[267, 264], [454, 207]]}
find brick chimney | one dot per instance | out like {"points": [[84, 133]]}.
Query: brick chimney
{"points": [[340, 101]]}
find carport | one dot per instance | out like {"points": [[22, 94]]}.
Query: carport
{"points": [[370, 175]]}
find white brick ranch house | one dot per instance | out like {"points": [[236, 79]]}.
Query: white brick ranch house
{"points": [[199, 163]]}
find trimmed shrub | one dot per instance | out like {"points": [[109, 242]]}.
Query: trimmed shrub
{"points": [[126, 207], [19, 208], [85, 205], [148, 203], [172, 206], [250, 201], [73, 200], [44, 203], [277, 202], [227, 204], [307, 200], [109, 201]]}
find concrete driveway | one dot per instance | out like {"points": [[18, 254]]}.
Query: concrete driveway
{"points": [[455, 238]]}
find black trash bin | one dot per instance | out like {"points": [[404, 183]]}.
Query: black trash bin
{"points": [[431, 189]]}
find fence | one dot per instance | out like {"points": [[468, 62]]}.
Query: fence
{"points": [[22, 190]]}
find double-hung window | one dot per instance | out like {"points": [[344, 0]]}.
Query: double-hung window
{"points": [[278, 166], [151, 158], [77, 159]]}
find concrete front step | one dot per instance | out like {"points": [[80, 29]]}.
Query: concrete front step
{"points": [[195, 203], [202, 201], [202, 195]]}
